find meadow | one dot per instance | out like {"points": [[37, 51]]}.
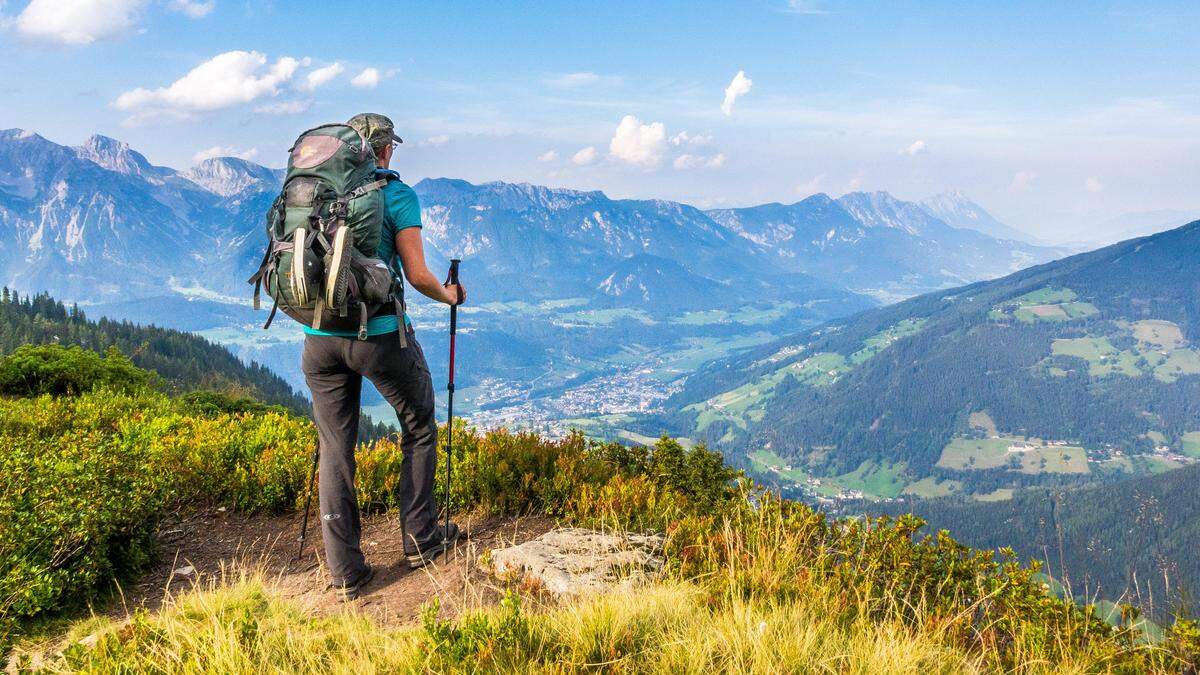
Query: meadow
{"points": [[93, 455]]}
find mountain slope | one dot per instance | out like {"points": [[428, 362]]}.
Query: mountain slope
{"points": [[876, 244], [957, 210], [1136, 542], [535, 242], [1081, 368]]}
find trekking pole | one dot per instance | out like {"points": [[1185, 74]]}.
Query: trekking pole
{"points": [[451, 278], [312, 477]]}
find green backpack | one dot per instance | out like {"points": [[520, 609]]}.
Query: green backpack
{"points": [[323, 230]]}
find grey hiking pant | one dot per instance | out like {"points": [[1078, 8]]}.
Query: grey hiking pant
{"points": [[334, 368]]}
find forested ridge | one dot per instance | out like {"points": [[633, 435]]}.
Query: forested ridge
{"points": [[184, 361], [1137, 542], [979, 348]]}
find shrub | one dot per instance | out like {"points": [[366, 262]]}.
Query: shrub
{"points": [[83, 480], [32, 370]]}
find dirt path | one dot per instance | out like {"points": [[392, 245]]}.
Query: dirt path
{"points": [[217, 544]]}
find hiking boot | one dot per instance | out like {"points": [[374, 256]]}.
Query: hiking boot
{"points": [[337, 266], [299, 288], [351, 591], [429, 552]]}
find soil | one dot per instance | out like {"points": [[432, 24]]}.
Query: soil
{"points": [[218, 544]]}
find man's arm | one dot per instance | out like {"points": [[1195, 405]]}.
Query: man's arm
{"points": [[411, 250]]}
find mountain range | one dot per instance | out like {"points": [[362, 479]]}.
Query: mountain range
{"points": [[99, 222], [575, 296], [1080, 369]]}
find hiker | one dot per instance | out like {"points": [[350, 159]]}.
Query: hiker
{"points": [[334, 363]]}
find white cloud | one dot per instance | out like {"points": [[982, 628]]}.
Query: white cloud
{"points": [[684, 138], [323, 75], [224, 80], [82, 22], [918, 147], [686, 161], [548, 156], [440, 139], [79, 22], [285, 107], [738, 86], [193, 9], [1093, 185], [585, 156], [1022, 180], [368, 79], [224, 151], [637, 143]]}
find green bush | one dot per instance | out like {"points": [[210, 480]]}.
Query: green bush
{"points": [[83, 479], [32, 370]]}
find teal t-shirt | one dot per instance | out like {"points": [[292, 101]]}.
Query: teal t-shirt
{"points": [[402, 210]]}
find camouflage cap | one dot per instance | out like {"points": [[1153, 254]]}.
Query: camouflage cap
{"points": [[376, 128]]}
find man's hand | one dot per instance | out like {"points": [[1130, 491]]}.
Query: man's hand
{"points": [[456, 294], [412, 256]]}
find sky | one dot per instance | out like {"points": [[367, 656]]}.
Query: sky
{"points": [[1053, 116]]}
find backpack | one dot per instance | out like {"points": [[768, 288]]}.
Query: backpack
{"points": [[321, 266]]}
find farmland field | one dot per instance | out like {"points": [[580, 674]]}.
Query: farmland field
{"points": [[931, 487], [1047, 304], [1162, 334], [990, 453], [1191, 444]]}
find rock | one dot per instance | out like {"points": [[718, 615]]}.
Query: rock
{"points": [[183, 571], [89, 641], [571, 561]]}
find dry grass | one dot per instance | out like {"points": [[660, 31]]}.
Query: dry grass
{"points": [[243, 626]]}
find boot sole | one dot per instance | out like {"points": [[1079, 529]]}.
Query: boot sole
{"points": [[335, 281], [299, 288]]}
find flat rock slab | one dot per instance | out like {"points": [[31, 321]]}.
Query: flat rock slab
{"points": [[571, 561]]}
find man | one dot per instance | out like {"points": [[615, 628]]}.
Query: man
{"points": [[334, 364]]}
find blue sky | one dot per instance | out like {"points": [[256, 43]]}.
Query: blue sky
{"points": [[1051, 117]]}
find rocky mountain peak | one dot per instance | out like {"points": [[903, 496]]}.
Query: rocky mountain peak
{"points": [[117, 156], [230, 176]]}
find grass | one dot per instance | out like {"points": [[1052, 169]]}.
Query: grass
{"points": [[875, 479], [1046, 304], [885, 338], [997, 495], [1102, 357], [747, 403], [248, 627], [1105, 359], [1161, 334], [983, 421], [748, 316], [770, 588], [603, 317], [967, 454], [1191, 444], [930, 487]]}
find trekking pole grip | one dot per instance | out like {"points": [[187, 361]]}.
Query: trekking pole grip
{"points": [[452, 277]]}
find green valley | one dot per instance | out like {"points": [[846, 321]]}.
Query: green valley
{"points": [[1075, 371]]}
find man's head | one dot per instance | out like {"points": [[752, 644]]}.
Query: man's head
{"points": [[380, 134]]}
